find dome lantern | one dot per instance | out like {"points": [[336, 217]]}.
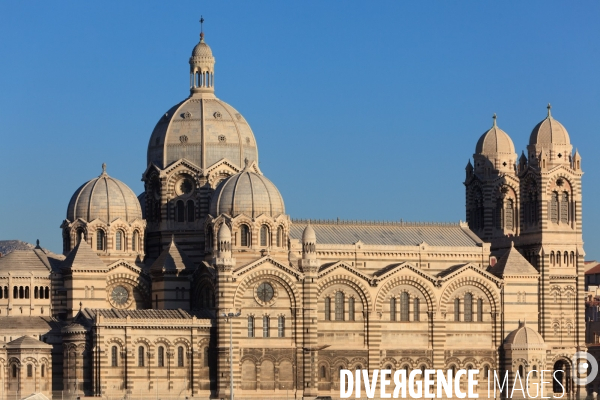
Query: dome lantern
{"points": [[202, 66]]}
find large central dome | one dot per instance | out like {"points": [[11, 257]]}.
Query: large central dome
{"points": [[202, 129]]}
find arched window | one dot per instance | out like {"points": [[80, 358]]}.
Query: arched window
{"points": [[21, 292], [339, 306], [558, 259], [457, 309], [206, 353], [161, 356], [119, 241], [404, 304], [47, 293], [480, 311], [351, 309], [43, 371], [534, 371], [180, 356], [244, 236], [280, 236], [521, 371], [509, 215], [486, 371], [113, 356], [393, 309], [572, 260], [180, 211], [141, 351], [15, 292], [416, 309], [551, 258], [191, 211], [250, 326], [100, 240], [135, 240], [499, 213], [281, 326], [323, 372], [29, 370], [264, 235], [266, 326], [566, 256], [6, 292], [564, 208], [35, 293], [327, 308], [26, 292], [468, 307], [553, 211], [14, 371]]}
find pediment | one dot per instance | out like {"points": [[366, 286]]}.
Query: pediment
{"points": [[395, 269], [463, 269], [341, 265], [124, 266], [267, 261], [183, 164]]}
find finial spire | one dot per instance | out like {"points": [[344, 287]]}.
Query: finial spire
{"points": [[103, 168], [494, 117], [201, 28], [549, 107]]}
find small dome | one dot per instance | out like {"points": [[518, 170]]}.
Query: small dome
{"points": [[309, 235], [224, 233], [495, 141], [104, 198], [549, 131], [74, 328], [246, 193], [524, 336], [202, 50]]}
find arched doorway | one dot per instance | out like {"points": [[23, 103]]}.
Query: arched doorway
{"points": [[562, 373]]}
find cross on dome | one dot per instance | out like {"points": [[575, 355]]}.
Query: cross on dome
{"points": [[549, 107]]}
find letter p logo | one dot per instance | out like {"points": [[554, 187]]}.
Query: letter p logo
{"points": [[581, 361]]}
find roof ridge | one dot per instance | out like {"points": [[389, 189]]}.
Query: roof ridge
{"points": [[373, 222]]}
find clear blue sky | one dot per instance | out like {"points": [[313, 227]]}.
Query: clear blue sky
{"points": [[361, 110]]}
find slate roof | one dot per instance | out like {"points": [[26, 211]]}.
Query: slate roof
{"points": [[91, 313], [513, 263], [34, 260], [387, 233], [27, 342], [83, 257], [172, 259]]}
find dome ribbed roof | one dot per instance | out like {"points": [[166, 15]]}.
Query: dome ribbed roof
{"points": [[524, 336], [105, 198], [549, 131], [247, 193], [202, 124], [202, 50], [495, 141]]}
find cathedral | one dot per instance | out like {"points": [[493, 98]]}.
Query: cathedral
{"points": [[203, 284]]}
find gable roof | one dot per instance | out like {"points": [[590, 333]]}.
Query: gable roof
{"points": [[593, 267], [388, 233], [34, 260], [82, 257], [513, 263], [109, 313], [172, 260]]}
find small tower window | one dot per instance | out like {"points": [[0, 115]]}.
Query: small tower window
{"points": [[266, 326], [404, 304], [119, 241], [191, 211], [281, 326], [161, 356], [564, 208], [180, 211], [244, 236], [339, 306], [479, 310], [135, 240], [327, 309], [180, 356], [141, 351], [351, 309], [113, 356], [280, 236], [468, 307], [554, 207], [393, 309], [457, 309], [416, 309], [250, 326], [264, 235], [100, 240], [43, 371], [29, 370]]}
